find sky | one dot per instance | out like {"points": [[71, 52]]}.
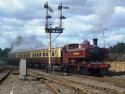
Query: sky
{"points": [[85, 19]]}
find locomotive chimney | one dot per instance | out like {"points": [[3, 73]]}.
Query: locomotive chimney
{"points": [[95, 40]]}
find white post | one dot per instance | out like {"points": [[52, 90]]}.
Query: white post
{"points": [[49, 53], [23, 69]]}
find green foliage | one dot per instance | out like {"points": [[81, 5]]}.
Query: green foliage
{"points": [[117, 52], [116, 57], [118, 48], [4, 53]]}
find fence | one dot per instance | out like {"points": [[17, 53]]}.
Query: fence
{"points": [[117, 66]]}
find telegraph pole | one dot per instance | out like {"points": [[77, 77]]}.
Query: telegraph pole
{"points": [[50, 30], [104, 36], [123, 37]]}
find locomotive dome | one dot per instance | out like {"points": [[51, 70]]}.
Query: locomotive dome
{"points": [[86, 43]]}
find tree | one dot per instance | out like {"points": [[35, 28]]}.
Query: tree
{"points": [[117, 52], [4, 53], [118, 48]]}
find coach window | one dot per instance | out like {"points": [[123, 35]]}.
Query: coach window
{"points": [[46, 53], [53, 54], [28, 55], [43, 53], [23, 55], [33, 54], [40, 54], [37, 54]]}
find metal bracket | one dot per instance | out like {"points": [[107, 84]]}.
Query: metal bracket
{"points": [[54, 30]]}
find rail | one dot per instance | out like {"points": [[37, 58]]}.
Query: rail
{"points": [[78, 87], [5, 75]]}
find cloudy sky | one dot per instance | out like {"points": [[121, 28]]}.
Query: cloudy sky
{"points": [[86, 19]]}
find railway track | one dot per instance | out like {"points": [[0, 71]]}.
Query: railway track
{"points": [[101, 88], [4, 74], [114, 81], [77, 86], [47, 79], [1, 69], [52, 84]]}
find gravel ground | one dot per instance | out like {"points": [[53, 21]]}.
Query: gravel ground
{"points": [[95, 83], [88, 81], [121, 76], [13, 85]]}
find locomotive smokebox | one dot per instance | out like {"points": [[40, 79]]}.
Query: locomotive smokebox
{"points": [[95, 40]]}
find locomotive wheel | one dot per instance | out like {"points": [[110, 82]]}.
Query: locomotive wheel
{"points": [[83, 71], [92, 72], [100, 73]]}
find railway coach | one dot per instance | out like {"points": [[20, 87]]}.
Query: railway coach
{"points": [[37, 57]]}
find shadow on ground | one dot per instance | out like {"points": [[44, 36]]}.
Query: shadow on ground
{"points": [[116, 74]]}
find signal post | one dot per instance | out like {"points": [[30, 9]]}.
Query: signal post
{"points": [[50, 30]]}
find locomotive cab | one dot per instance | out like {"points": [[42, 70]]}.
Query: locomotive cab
{"points": [[74, 54], [71, 46]]}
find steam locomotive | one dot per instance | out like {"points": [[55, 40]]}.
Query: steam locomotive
{"points": [[87, 58], [72, 58]]}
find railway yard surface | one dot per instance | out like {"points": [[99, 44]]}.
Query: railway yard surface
{"points": [[40, 82]]}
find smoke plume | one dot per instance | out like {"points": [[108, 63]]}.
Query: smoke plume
{"points": [[104, 10], [26, 43]]}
